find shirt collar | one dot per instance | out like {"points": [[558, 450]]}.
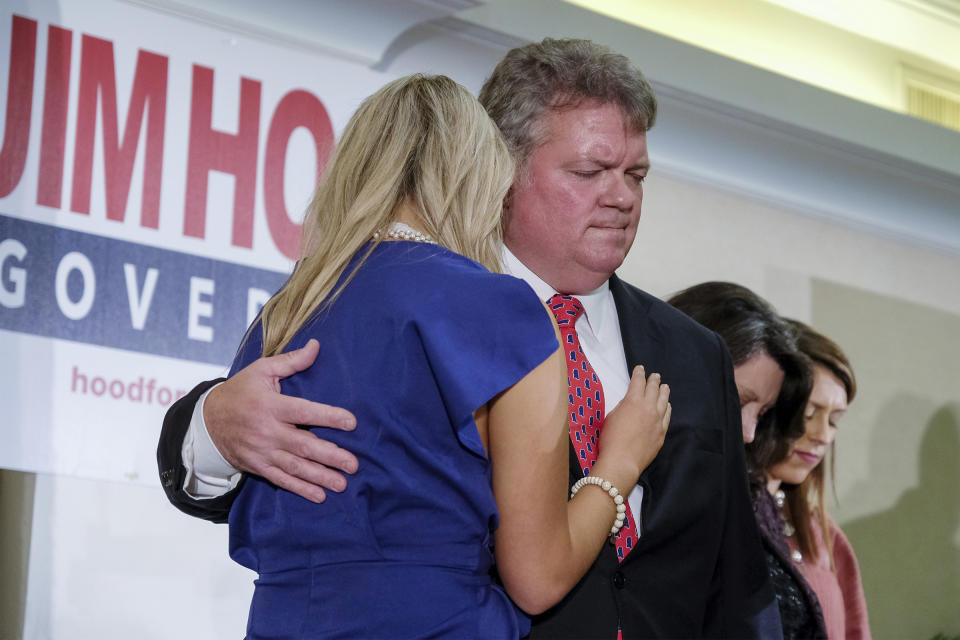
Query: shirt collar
{"points": [[596, 303]]}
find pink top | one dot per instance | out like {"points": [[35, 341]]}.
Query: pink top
{"points": [[841, 593]]}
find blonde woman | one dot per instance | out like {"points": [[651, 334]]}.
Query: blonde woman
{"points": [[459, 389]]}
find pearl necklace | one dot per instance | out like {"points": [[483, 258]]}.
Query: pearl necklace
{"points": [[781, 498], [401, 231]]}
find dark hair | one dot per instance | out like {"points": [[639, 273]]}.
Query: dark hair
{"points": [[749, 325], [826, 353], [555, 74]]}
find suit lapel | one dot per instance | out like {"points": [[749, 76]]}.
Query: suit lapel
{"points": [[642, 344], [640, 334]]}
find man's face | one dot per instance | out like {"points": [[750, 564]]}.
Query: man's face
{"points": [[573, 210]]}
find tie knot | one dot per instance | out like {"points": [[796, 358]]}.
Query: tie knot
{"points": [[566, 309]]}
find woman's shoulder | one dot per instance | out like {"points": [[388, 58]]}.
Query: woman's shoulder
{"points": [[843, 553], [850, 583], [844, 557], [434, 273], [836, 533], [425, 257]]}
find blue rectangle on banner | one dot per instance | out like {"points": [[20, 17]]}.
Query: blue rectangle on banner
{"points": [[88, 288]]}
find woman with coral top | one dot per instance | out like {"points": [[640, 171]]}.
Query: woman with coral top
{"points": [[818, 547]]}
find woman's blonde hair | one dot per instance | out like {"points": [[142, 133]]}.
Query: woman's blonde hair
{"points": [[422, 142]]}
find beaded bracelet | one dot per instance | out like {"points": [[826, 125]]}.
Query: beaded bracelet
{"points": [[612, 491]]}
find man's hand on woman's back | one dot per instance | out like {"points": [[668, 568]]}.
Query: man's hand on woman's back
{"points": [[254, 427]]}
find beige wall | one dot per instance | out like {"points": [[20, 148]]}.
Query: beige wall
{"points": [[898, 474], [16, 510], [693, 232], [895, 308]]}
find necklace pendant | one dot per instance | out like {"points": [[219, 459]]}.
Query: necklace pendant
{"points": [[780, 498]]}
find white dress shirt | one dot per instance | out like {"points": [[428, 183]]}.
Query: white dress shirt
{"points": [[598, 329], [209, 475]]}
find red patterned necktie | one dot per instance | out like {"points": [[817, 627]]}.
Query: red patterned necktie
{"points": [[586, 405]]}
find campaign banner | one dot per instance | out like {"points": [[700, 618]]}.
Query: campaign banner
{"points": [[154, 170], [78, 286]]}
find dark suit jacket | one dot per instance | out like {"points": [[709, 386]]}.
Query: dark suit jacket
{"points": [[170, 460], [698, 569]]}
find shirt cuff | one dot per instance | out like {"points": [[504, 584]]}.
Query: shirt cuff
{"points": [[635, 500], [208, 475]]}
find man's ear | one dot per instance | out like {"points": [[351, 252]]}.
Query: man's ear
{"points": [[507, 203]]}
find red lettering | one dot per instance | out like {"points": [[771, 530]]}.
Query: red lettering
{"points": [[23, 55], [296, 109], [55, 100], [211, 150], [116, 389], [97, 78], [78, 377]]}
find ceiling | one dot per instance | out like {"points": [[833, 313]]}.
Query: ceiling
{"points": [[862, 49]]}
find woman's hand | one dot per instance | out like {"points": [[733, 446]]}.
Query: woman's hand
{"points": [[633, 432]]}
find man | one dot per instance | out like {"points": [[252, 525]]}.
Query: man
{"points": [[575, 117]]}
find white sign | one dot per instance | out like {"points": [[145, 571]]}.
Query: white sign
{"points": [[153, 174]]}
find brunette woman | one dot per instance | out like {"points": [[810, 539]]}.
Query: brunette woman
{"points": [[773, 380]]}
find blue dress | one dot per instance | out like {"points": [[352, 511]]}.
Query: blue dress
{"points": [[418, 340]]}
